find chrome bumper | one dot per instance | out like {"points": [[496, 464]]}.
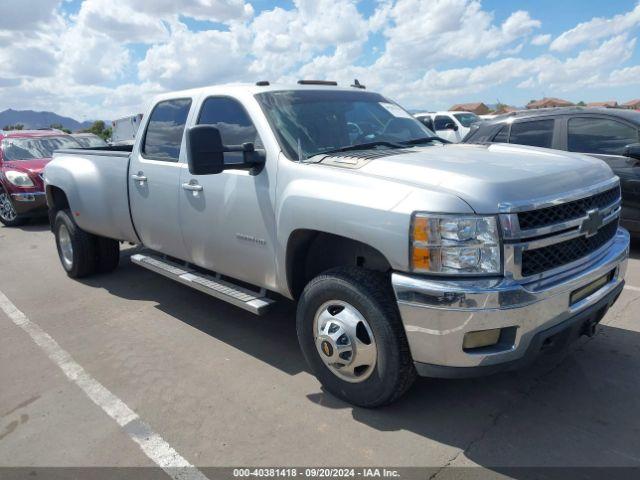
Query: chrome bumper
{"points": [[437, 314]]}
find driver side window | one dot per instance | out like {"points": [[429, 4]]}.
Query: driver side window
{"points": [[233, 122], [441, 122]]}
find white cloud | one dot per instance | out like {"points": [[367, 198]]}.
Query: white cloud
{"points": [[541, 39], [442, 30], [191, 59], [110, 58], [596, 29]]}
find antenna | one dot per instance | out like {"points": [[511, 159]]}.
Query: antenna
{"points": [[357, 84]]}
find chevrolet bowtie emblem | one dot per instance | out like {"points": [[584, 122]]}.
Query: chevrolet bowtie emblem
{"points": [[592, 223]]}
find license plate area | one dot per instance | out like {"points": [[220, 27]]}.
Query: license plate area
{"points": [[583, 292]]}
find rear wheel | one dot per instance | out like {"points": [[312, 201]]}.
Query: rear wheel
{"points": [[76, 248], [8, 214], [352, 336]]}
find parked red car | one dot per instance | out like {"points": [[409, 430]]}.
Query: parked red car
{"points": [[23, 156]]}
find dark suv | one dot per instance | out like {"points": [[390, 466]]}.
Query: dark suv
{"points": [[609, 134]]}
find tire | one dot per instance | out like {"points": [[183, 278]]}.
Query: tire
{"points": [[107, 254], [76, 248], [8, 215], [362, 294]]}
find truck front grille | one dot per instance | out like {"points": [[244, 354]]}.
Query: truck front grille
{"points": [[559, 254], [544, 217]]}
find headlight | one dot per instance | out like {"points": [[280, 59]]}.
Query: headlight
{"points": [[455, 244], [19, 179]]}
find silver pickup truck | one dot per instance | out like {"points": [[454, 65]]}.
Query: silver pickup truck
{"points": [[407, 255]]}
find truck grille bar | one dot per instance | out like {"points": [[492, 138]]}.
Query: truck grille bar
{"points": [[560, 235], [544, 217]]}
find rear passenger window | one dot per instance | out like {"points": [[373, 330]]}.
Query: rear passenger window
{"points": [[503, 135], [537, 133], [233, 122], [599, 135], [165, 129], [427, 122]]}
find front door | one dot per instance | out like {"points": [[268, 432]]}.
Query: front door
{"points": [[154, 178], [446, 127], [605, 138], [228, 219]]}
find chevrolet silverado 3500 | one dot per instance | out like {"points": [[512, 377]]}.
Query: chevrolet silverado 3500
{"points": [[407, 255]]}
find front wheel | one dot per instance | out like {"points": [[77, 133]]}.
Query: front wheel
{"points": [[352, 336], [8, 214]]}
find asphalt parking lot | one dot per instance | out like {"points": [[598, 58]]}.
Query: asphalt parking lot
{"points": [[225, 388]]}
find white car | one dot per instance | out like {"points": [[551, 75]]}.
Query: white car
{"points": [[452, 126]]}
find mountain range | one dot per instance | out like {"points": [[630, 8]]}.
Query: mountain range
{"points": [[32, 120]]}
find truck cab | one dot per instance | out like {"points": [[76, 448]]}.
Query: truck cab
{"points": [[406, 255]]}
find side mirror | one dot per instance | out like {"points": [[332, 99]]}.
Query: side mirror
{"points": [[205, 152], [632, 151], [451, 126]]}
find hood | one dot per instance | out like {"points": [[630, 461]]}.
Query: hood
{"points": [[33, 166], [487, 176]]}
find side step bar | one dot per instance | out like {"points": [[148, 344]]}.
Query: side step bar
{"points": [[254, 302]]}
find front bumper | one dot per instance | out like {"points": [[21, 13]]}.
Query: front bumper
{"points": [[438, 313], [29, 204]]}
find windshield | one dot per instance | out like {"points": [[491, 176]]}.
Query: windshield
{"points": [[466, 119], [309, 122], [90, 141], [34, 147]]}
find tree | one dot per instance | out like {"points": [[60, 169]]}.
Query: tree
{"points": [[99, 128], [58, 126], [17, 126], [581, 104]]}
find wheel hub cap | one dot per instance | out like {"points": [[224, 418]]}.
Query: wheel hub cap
{"points": [[6, 207], [345, 341], [65, 246]]}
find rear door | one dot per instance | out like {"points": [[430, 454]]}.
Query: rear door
{"points": [[154, 177], [228, 219]]}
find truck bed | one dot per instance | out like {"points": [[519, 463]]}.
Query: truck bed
{"points": [[97, 188]]}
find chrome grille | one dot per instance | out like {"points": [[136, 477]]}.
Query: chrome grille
{"points": [[553, 256], [552, 235], [544, 217]]}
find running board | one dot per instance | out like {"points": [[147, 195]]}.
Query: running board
{"points": [[254, 302]]}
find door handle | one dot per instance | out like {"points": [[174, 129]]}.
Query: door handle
{"points": [[193, 187], [139, 177]]}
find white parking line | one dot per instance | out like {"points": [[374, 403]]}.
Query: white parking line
{"points": [[152, 444], [630, 287]]}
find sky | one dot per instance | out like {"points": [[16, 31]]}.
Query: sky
{"points": [[103, 59]]}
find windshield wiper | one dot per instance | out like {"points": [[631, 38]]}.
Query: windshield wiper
{"points": [[422, 140], [362, 146]]}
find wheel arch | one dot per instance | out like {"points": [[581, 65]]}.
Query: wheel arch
{"points": [[310, 252]]}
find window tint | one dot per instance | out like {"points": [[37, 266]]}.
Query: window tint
{"points": [[427, 122], [441, 121], [599, 135], [503, 135], [538, 133], [466, 119], [165, 130], [236, 128]]}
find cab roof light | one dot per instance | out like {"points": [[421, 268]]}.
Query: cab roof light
{"points": [[318, 82], [263, 83]]}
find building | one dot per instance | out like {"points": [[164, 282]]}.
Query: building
{"points": [[632, 104], [478, 108], [609, 104], [549, 102], [505, 109]]}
